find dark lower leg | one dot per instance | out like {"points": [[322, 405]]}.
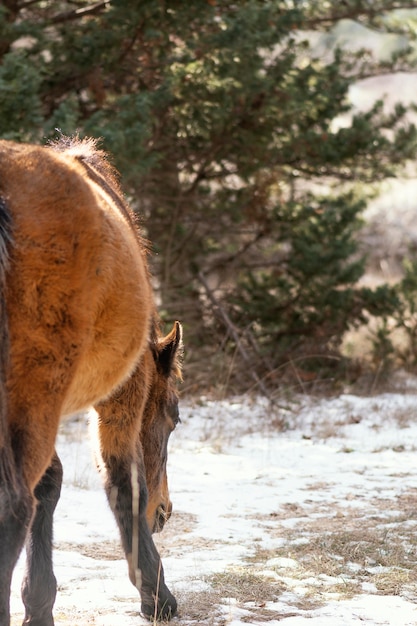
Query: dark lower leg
{"points": [[39, 584], [16, 506], [129, 508]]}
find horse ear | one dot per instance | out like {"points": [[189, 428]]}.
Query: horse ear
{"points": [[169, 350]]}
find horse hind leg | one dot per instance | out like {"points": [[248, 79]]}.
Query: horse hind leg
{"points": [[16, 501], [16, 508], [39, 582]]}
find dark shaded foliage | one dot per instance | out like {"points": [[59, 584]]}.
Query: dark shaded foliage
{"points": [[221, 120]]}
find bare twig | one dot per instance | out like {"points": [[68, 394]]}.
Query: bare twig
{"points": [[158, 582], [28, 3], [217, 307], [76, 14], [353, 13], [135, 525]]}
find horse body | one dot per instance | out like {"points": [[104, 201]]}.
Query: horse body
{"points": [[78, 328], [74, 257]]}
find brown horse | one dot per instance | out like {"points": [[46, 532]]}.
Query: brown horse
{"points": [[78, 327]]}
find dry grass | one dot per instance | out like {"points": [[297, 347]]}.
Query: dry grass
{"points": [[241, 587], [329, 552], [100, 551], [246, 585], [337, 554], [342, 554]]}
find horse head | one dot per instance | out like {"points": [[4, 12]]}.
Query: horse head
{"points": [[159, 419]]}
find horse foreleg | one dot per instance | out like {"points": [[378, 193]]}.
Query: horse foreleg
{"points": [[39, 583], [127, 494], [16, 507]]}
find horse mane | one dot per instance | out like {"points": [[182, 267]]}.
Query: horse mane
{"points": [[98, 169]]}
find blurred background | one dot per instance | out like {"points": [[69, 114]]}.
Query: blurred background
{"points": [[269, 149]]}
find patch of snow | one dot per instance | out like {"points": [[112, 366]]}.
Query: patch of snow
{"points": [[240, 490]]}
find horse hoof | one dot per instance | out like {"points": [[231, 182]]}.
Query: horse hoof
{"points": [[167, 608]]}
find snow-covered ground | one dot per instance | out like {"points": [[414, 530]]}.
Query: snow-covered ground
{"points": [[315, 525]]}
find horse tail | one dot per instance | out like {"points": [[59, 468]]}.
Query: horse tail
{"points": [[6, 240]]}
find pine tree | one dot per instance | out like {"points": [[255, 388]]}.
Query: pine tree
{"points": [[223, 123]]}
